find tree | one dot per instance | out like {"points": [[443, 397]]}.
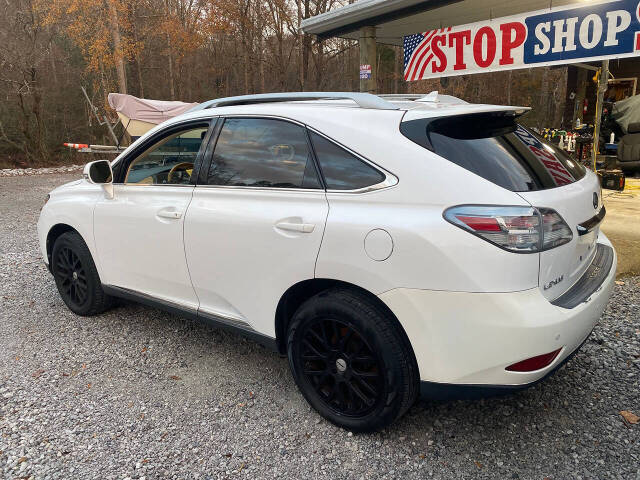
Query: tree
{"points": [[100, 29], [24, 48]]}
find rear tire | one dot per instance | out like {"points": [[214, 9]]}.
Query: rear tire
{"points": [[351, 360], [76, 276]]}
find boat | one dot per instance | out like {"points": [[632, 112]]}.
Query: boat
{"points": [[139, 115]]}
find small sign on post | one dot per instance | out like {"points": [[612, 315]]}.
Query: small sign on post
{"points": [[365, 72]]}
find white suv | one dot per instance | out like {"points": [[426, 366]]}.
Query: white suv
{"points": [[389, 247]]}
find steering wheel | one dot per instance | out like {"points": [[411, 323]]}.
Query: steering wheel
{"points": [[182, 166]]}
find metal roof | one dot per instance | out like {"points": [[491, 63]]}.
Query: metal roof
{"points": [[396, 18]]}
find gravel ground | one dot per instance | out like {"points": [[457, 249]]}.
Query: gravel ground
{"points": [[17, 172], [138, 393]]}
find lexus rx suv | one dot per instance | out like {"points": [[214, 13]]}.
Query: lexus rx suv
{"points": [[389, 247]]}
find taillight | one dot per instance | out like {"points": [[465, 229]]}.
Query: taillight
{"points": [[556, 231], [516, 229]]}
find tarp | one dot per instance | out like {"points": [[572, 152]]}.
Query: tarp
{"points": [[554, 36], [626, 112], [150, 111]]}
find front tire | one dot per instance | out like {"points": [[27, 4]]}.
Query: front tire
{"points": [[351, 360], [76, 276]]}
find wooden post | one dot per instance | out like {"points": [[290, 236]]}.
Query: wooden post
{"points": [[368, 58], [581, 92], [603, 81]]}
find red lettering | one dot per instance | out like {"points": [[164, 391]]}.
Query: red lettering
{"points": [[509, 42], [479, 42], [555, 167], [540, 152], [459, 40], [437, 51], [560, 180]]}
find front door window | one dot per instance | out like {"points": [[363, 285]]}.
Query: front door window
{"points": [[169, 161]]}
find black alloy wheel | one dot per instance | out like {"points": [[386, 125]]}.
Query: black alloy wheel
{"points": [[76, 276], [351, 359], [341, 366], [73, 277]]}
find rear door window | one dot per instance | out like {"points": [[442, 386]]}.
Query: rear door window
{"points": [[342, 170], [262, 152], [497, 149]]}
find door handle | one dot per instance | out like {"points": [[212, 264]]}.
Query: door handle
{"points": [[169, 213], [296, 227]]}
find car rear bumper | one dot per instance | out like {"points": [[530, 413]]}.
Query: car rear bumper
{"points": [[452, 391], [466, 340]]}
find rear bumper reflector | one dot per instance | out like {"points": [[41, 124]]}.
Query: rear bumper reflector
{"points": [[593, 277], [534, 363]]}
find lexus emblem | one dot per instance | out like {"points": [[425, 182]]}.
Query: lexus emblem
{"points": [[595, 200]]}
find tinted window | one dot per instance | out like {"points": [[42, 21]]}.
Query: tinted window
{"points": [[497, 149], [169, 161], [342, 170], [257, 152]]}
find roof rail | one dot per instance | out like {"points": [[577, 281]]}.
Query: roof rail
{"points": [[363, 100]]}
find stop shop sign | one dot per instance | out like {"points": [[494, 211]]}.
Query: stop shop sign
{"points": [[569, 34]]}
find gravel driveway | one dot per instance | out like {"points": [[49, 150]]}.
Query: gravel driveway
{"points": [[140, 393]]}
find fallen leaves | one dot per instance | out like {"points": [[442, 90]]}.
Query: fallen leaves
{"points": [[629, 417], [37, 373], [619, 282], [478, 464], [175, 377]]}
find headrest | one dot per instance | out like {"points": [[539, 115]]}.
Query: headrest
{"points": [[634, 127]]}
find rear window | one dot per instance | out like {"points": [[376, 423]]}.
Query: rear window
{"points": [[496, 148]]}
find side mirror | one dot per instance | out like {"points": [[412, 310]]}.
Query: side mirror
{"points": [[98, 172]]}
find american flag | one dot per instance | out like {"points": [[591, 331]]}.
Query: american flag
{"points": [[417, 53]]}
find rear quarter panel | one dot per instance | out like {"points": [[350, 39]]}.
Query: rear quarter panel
{"points": [[428, 252]]}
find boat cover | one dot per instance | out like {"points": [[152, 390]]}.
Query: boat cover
{"points": [[151, 111]]}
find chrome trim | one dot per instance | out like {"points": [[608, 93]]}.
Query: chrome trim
{"points": [[266, 189], [262, 115], [153, 185], [146, 296], [389, 181], [231, 321], [192, 313]]}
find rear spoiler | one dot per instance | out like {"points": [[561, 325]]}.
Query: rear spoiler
{"points": [[416, 125]]}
